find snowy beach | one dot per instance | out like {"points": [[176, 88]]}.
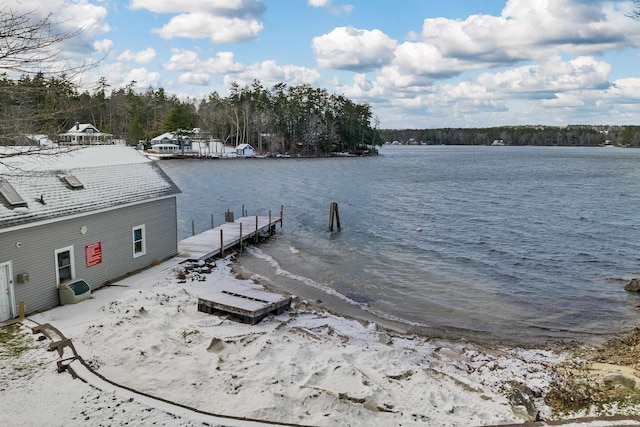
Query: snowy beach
{"points": [[306, 366]]}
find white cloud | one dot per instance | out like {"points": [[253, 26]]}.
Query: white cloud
{"points": [[198, 79], [270, 73], [514, 96], [328, 4], [119, 74], [626, 90], [103, 46], [566, 100], [217, 7], [217, 29], [188, 60], [222, 21], [143, 78], [142, 57], [545, 51], [421, 59], [352, 49], [82, 19], [549, 78], [529, 30]]}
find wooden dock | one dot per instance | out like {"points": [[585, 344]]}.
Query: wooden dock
{"points": [[229, 235], [249, 304]]}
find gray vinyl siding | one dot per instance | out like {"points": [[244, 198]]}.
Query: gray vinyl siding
{"points": [[113, 229]]}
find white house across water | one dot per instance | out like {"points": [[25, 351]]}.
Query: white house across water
{"points": [[84, 134]]}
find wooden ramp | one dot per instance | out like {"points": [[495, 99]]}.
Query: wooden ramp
{"points": [[226, 236]]}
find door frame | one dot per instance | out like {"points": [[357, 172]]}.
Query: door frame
{"points": [[7, 267]]}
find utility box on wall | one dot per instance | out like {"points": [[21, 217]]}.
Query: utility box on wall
{"points": [[23, 278]]}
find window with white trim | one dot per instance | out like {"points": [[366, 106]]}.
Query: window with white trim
{"points": [[65, 266], [139, 241]]}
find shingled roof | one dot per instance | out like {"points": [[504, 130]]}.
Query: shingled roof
{"points": [[76, 182]]}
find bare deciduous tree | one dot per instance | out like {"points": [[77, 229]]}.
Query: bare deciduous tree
{"points": [[635, 13], [29, 44], [31, 49]]}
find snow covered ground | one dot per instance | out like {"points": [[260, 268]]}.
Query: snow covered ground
{"points": [[306, 366]]}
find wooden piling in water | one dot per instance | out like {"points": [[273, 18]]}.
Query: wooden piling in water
{"points": [[256, 235], [334, 213]]}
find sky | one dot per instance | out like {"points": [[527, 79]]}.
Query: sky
{"points": [[418, 63]]}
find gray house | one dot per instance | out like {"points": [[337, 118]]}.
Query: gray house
{"points": [[96, 213]]}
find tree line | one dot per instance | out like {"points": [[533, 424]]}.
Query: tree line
{"points": [[574, 135], [294, 119], [281, 119]]}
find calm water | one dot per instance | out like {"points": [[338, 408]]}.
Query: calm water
{"points": [[519, 245]]}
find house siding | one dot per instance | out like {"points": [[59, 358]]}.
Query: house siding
{"points": [[111, 228]]}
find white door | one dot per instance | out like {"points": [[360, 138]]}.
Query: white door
{"points": [[5, 293]]}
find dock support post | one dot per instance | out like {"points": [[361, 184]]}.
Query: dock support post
{"points": [[334, 213], [221, 244], [243, 213], [212, 221], [270, 229], [193, 227], [256, 235], [281, 214], [241, 234]]}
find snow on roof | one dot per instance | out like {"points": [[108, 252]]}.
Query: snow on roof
{"points": [[167, 136], [83, 128], [111, 176]]}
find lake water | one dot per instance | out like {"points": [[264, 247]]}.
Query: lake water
{"points": [[518, 244]]}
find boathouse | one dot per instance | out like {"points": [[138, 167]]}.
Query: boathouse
{"points": [[244, 150], [95, 213]]}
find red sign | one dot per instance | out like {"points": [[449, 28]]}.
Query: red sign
{"points": [[93, 254]]}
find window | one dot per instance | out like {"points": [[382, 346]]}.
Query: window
{"points": [[139, 241], [65, 268]]}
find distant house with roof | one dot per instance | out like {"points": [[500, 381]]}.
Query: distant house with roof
{"points": [[183, 142], [96, 213], [244, 150], [84, 134]]}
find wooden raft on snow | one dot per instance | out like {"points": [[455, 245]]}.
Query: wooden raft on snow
{"points": [[247, 304]]}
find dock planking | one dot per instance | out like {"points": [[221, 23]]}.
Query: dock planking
{"points": [[217, 240]]}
